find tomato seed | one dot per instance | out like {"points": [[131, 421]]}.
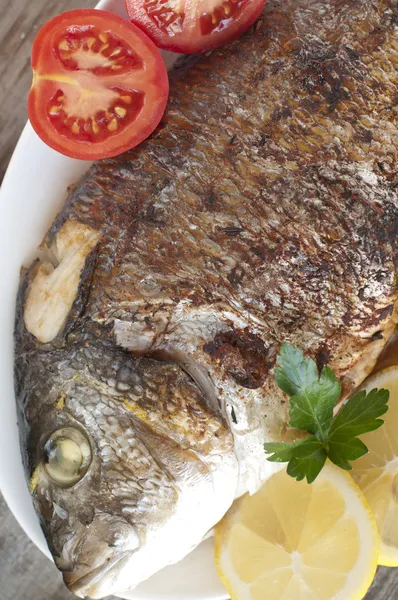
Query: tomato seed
{"points": [[228, 9], [120, 111], [112, 126], [166, 18], [95, 126]]}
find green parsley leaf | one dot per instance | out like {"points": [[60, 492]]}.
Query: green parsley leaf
{"points": [[312, 409], [360, 414], [295, 373], [305, 457], [308, 460], [340, 452], [281, 451], [312, 400], [312, 397]]}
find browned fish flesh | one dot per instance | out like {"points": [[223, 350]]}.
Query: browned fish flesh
{"points": [[263, 210]]}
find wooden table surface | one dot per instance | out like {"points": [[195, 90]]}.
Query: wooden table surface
{"points": [[25, 574]]}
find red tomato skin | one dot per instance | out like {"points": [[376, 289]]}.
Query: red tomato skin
{"points": [[189, 45], [109, 148]]}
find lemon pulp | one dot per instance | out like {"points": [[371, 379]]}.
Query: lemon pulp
{"points": [[292, 540], [377, 472]]}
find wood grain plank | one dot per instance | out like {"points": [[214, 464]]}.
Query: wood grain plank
{"points": [[24, 571], [385, 585]]}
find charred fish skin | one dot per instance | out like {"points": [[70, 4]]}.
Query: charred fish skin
{"points": [[263, 210], [269, 190], [265, 206]]}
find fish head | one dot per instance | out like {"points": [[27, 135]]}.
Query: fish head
{"points": [[129, 466], [89, 537]]}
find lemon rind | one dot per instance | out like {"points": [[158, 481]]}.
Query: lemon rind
{"points": [[388, 556], [239, 590]]}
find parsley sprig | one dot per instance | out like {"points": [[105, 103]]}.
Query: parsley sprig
{"points": [[313, 396]]}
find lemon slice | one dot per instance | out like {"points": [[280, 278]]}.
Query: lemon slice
{"points": [[377, 472], [292, 541]]}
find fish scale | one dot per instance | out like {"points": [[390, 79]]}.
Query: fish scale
{"points": [[263, 210]]}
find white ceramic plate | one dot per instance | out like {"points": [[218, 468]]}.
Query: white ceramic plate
{"points": [[33, 190]]}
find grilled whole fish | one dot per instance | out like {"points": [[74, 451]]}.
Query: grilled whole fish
{"points": [[263, 210]]}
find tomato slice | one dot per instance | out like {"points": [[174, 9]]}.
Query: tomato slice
{"points": [[192, 26], [99, 86]]}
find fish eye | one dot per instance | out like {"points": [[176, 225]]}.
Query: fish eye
{"points": [[67, 456]]}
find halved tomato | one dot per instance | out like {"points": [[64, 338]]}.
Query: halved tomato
{"points": [[192, 26], [99, 86]]}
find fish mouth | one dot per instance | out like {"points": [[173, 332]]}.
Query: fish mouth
{"points": [[98, 583]]}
